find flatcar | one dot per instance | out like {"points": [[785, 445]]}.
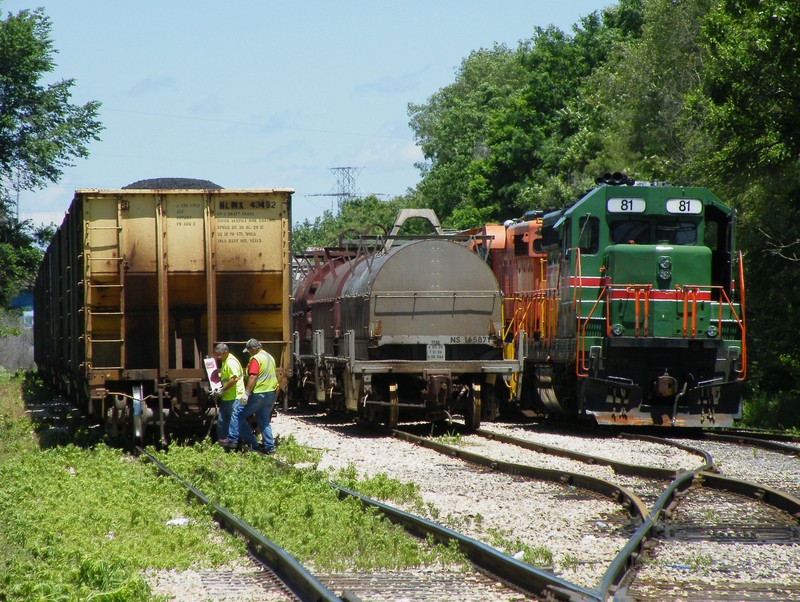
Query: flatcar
{"points": [[629, 307], [392, 328], [137, 286]]}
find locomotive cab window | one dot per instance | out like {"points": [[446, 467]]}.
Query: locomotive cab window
{"points": [[624, 232], [677, 233], [550, 238], [711, 235], [718, 236], [520, 244], [589, 235]]}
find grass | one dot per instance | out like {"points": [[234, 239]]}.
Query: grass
{"points": [[537, 556], [85, 521], [299, 510], [16, 432], [80, 522]]}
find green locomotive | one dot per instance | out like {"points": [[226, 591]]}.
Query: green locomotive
{"points": [[637, 314]]}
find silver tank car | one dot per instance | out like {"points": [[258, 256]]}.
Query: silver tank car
{"points": [[398, 326]]}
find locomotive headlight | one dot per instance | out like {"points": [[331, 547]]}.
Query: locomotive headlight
{"points": [[664, 268], [617, 329], [712, 331]]}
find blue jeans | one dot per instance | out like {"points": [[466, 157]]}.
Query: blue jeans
{"points": [[260, 405], [224, 418]]}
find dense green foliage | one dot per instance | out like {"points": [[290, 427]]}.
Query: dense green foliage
{"points": [[40, 130], [21, 248], [369, 215], [78, 523]]}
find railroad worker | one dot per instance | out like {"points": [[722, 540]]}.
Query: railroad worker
{"points": [[231, 375], [261, 390]]}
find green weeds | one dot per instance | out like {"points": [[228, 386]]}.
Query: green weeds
{"points": [[538, 556], [569, 561], [294, 453], [379, 487], [299, 510], [16, 432], [81, 523], [451, 438]]}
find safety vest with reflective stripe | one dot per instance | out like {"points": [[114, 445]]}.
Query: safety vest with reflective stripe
{"points": [[230, 368], [266, 380]]}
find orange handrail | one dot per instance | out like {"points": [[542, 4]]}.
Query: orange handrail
{"points": [[742, 323], [581, 369], [642, 295]]}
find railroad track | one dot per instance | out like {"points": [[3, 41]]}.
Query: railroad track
{"points": [[707, 509], [714, 538], [581, 520], [284, 575], [274, 575], [696, 508], [492, 566], [710, 536]]}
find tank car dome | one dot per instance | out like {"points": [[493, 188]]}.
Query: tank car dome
{"points": [[425, 265]]}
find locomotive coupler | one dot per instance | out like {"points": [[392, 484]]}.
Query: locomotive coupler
{"points": [[666, 385], [438, 388]]}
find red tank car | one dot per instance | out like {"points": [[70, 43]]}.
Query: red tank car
{"points": [[399, 327]]}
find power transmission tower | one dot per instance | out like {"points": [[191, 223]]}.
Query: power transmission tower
{"points": [[345, 185]]}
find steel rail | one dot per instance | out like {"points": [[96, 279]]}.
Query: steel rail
{"points": [[626, 559], [502, 566], [707, 459], [757, 442], [767, 495], [651, 472], [630, 501], [296, 577]]}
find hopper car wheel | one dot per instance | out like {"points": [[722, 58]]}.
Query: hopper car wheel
{"points": [[139, 420]]}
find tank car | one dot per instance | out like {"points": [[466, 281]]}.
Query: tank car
{"points": [[400, 328], [638, 315], [138, 285]]}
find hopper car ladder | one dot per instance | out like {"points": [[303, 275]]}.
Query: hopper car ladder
{"points": [[105, 299]]}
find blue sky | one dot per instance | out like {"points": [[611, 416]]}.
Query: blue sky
{"points": [[267, 94]]}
